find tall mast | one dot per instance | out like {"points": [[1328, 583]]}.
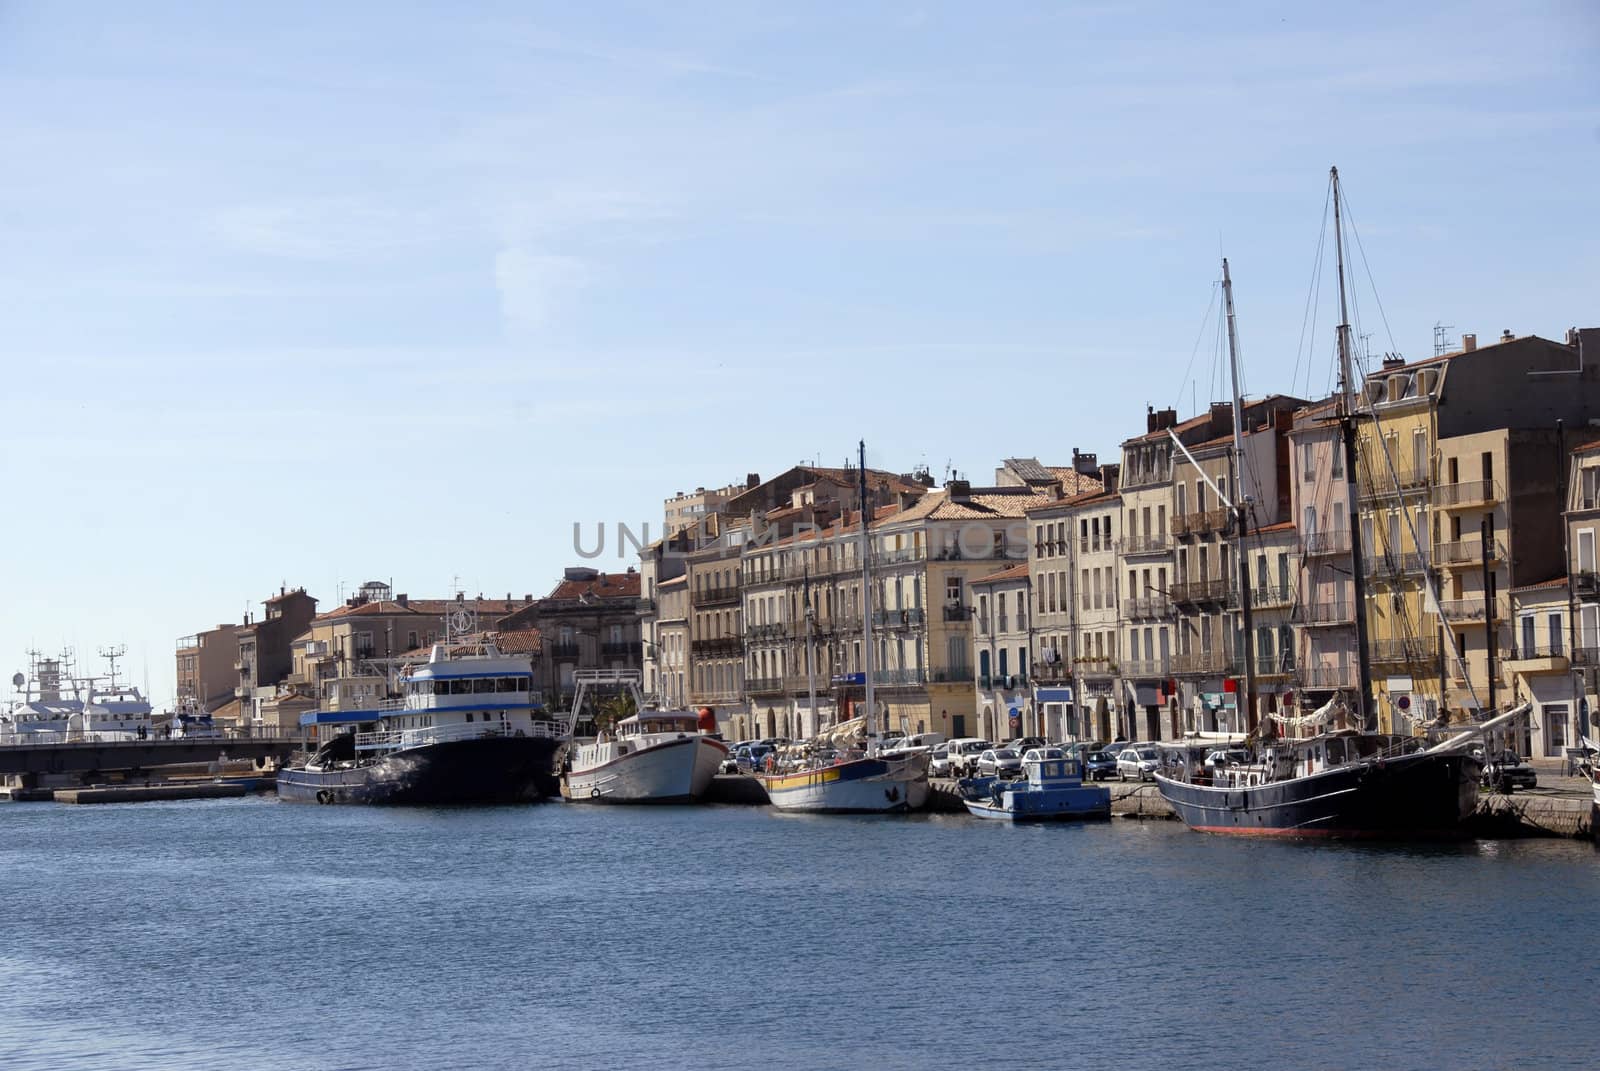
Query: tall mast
{"points": [[866, 603], [811, 657], [1247, 701], [1347, 430]]}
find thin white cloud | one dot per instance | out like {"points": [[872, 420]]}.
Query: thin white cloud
{"points": [[533, 285]]}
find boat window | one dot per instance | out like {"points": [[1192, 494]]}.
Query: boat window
{"points": [[469, 715], [483, 684]]}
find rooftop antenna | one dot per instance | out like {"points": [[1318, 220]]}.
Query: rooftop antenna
{"points": [[1442, 342]]}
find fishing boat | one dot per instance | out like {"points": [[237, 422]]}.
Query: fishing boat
{"points": [[466, 729], [850, 779], [653, 756], [1328, 773], [1051, 789], [113, 710]]}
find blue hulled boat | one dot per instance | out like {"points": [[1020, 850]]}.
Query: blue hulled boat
{"points": [[1051, 790]]}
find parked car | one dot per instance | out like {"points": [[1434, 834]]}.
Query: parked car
{"points": [[1505, 772], [999, 762], [1023, 743], [1219, 757], [1039, 754], [963, 754], [1140, 762], [748, 757], [1100, 764], [939, 761]]}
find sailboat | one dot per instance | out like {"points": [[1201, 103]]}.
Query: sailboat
{"points": [[1330, 774], [844, 778]]}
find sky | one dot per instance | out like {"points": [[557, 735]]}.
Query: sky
{"points": [[320, 293]]}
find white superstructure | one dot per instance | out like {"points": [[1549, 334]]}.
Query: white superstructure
{"points": [[654, 756]]}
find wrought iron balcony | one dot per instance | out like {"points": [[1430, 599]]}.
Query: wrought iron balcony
{"points": [[719, 647], [1147, 668], [958, 613], [1376, 481], [1586, 584], [951, 675], [715, 596], [1465, 610], [1202, 592], [769, 632], [1416, 651], [1329, 676], [1467, 552], [1145, 544], [1326, 544], [1385, 566], [564, 650], [1271, 595], [1198, 663], [1326, 613], [763, 685], [1465, 494], [624, 649], [1533, 658]]}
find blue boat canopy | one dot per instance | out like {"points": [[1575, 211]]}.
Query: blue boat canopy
{"points": [[336, 717]]}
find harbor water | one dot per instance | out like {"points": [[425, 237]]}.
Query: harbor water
{"points": [[257, 934]]}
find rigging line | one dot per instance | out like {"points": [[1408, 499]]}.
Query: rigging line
{"points": [[1384, 316], [1195, 352], [1311, 294]]}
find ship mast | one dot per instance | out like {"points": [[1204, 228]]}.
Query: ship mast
{"points": [[866, 604], [1347, 430], [1241, 497]]}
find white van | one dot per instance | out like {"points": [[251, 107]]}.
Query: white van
{"points": [[964, 752]]}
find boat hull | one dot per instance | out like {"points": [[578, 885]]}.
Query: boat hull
{"points": [[495, 769], [678, 771], [1023, 804], [1418, 795], [860, 786]]}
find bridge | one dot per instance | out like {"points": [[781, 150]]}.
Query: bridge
{"points": [[81, 756]]}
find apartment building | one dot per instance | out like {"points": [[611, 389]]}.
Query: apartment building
{"points": [[205, 663], [1325, 625], [1539, 665], [716, 634], [671, 658], [1459, 456], [588, 621], [1001, 641], [266, 648]]}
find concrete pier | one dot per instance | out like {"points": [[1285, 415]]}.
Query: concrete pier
{"points": [[148, 793]]}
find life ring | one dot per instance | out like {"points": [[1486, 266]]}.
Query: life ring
{"points": [[594, 793]]}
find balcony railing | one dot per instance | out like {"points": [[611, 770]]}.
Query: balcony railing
{"points": [[1323, 544], [1468, 552], [958, 613], [1271, 595], [763, 685], [1464, 610], [1586, 656], [1376, 480], [619, 650], [769, 632], [1180, 524], [718, 647], [1382, 566], [1146, 607], [1147, 668], [1003, 684], [1467, 493], [1209, 662], [647, 606], [715, 596], [1586, 583], [1276, 668], [1526, 653], [1418, 651], [1145, 544], [1197, 592], [563, 650], [1326, 613], [908, 618], [1051, 671], [1329, 676], [901, 556], [951, 675]]}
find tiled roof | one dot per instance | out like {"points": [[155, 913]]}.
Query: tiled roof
{"points": [[1587, 447], [1016, 572], [603, 586], [1281, 526], [522, 641], [420, 607], [1074, 482], [1180, 428], [287, 595], [1543, 585], [675, 582]]}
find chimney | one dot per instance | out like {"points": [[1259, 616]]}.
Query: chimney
{"points": [[1393, 360], [959, 490], [1160, 420], [1221, 418], [1469, 343], [752, 479], [402, 600], [1506, 335], [1085, 464], [1572, 336]]}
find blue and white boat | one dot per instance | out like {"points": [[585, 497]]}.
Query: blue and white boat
{"points": [[466, 729], [1051, 789]]}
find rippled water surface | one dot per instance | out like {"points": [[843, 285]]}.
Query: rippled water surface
{"points": [[254, 934]]}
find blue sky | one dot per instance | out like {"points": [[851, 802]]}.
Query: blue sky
{"points": [[317, 293]]}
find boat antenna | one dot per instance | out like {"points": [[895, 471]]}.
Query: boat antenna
{"points": [[1347, 431], [1241, 510], [866, 602]]}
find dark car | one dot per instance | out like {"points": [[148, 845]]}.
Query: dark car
{"points": [[1506, 773], [1100, 765]]}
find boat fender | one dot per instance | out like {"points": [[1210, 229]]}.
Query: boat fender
{"points": [[892, 793], [594, 793], [324, 796]]}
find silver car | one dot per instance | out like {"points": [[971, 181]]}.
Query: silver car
{"points": [[1141, 762], [999, 762]]}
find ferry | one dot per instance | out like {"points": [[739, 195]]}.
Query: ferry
{"points": [[651, 756], [466, 729]]}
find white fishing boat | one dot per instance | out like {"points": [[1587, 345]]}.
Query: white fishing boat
{"points": [[653, 756], [57, 707], [112, 710]]}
